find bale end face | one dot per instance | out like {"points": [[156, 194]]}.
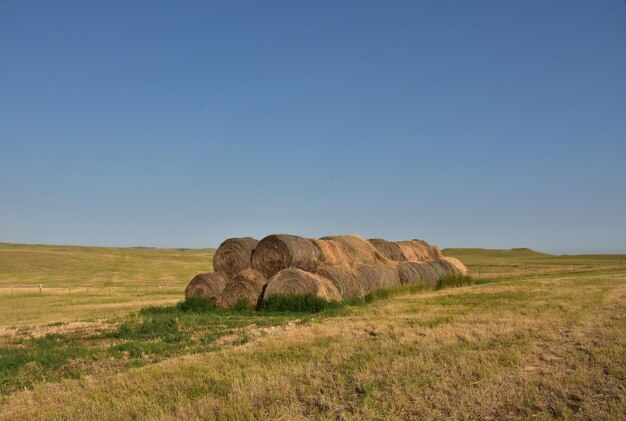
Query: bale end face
{"points": [[234, 255], [207, 285], [247, 284]]}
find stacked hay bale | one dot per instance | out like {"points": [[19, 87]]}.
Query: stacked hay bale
{"points": [[234, 255], [294, 281], [208, 285], [335, 268], [246, 285], [232, 278]]}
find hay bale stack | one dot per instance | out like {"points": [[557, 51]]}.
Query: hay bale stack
{"points": [[234, 255], [294, 281], [377, 276], [389, 249], [207, 285], [418, 272], [345, 279], [359, 249], [246, 284], [282, 251], [336, 268]]}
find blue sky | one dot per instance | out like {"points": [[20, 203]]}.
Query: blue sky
{"points": [[485, 123]]}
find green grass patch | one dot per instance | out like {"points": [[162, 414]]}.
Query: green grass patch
{"points": [[306, 303], [452, 281]]}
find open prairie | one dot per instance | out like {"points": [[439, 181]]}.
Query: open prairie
{"points": [[90, 283], [536, 336]]}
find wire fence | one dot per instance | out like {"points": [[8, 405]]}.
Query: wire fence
{"points": [[6, 289], [497, 271]]}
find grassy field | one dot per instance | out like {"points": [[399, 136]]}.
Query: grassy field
{"points": [[90, 283], [485, 263], [547, 344]]}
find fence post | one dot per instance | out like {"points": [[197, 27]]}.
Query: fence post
{"points": [[40, 288]]}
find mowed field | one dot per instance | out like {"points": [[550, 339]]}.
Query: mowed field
{"points": [[537, 336]]}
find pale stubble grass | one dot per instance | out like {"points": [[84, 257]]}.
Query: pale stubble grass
{"points": [[551, 347]]}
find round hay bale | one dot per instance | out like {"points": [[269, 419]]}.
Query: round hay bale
{"points": [[246, 284], [234, 255], [452, 266], [389, 249], [281, 251], [457, 264], [294, 281], [435, 252], [207, 285], [333, 253], [359, 249], [415, 250], [377, 276], [345, 279], [418, 272], [438, 268]]}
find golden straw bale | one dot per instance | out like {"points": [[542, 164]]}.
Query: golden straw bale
{"points": [[457, 264], [281, 251], [345, 279], [246, 284], [389, 249], [234, 255], [294, 281], [452, 266], [333, 253], [377, 276], [418, 272], [415, 250], [207, 285], [359, 249]]}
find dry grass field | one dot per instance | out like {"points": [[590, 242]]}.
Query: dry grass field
{"points": [[547, 344], [90, 283]]}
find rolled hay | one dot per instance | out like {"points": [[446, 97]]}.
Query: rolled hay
{"points": [[389, 249], [418, 272], [207, 285], [418, 251], [234, 255], [358, 249], [344, 278], [333, 253], [460, 267], [452, 266], [435, 252], [247, 284], [377, 276], [294, 281], [282, 251]]}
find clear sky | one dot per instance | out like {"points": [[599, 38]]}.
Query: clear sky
{"points": [[466, 123]]}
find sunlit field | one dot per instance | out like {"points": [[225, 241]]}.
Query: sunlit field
{"points": [[548, 343]]}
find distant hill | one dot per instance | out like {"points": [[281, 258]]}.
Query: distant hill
{"points": [[521, 256]]}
